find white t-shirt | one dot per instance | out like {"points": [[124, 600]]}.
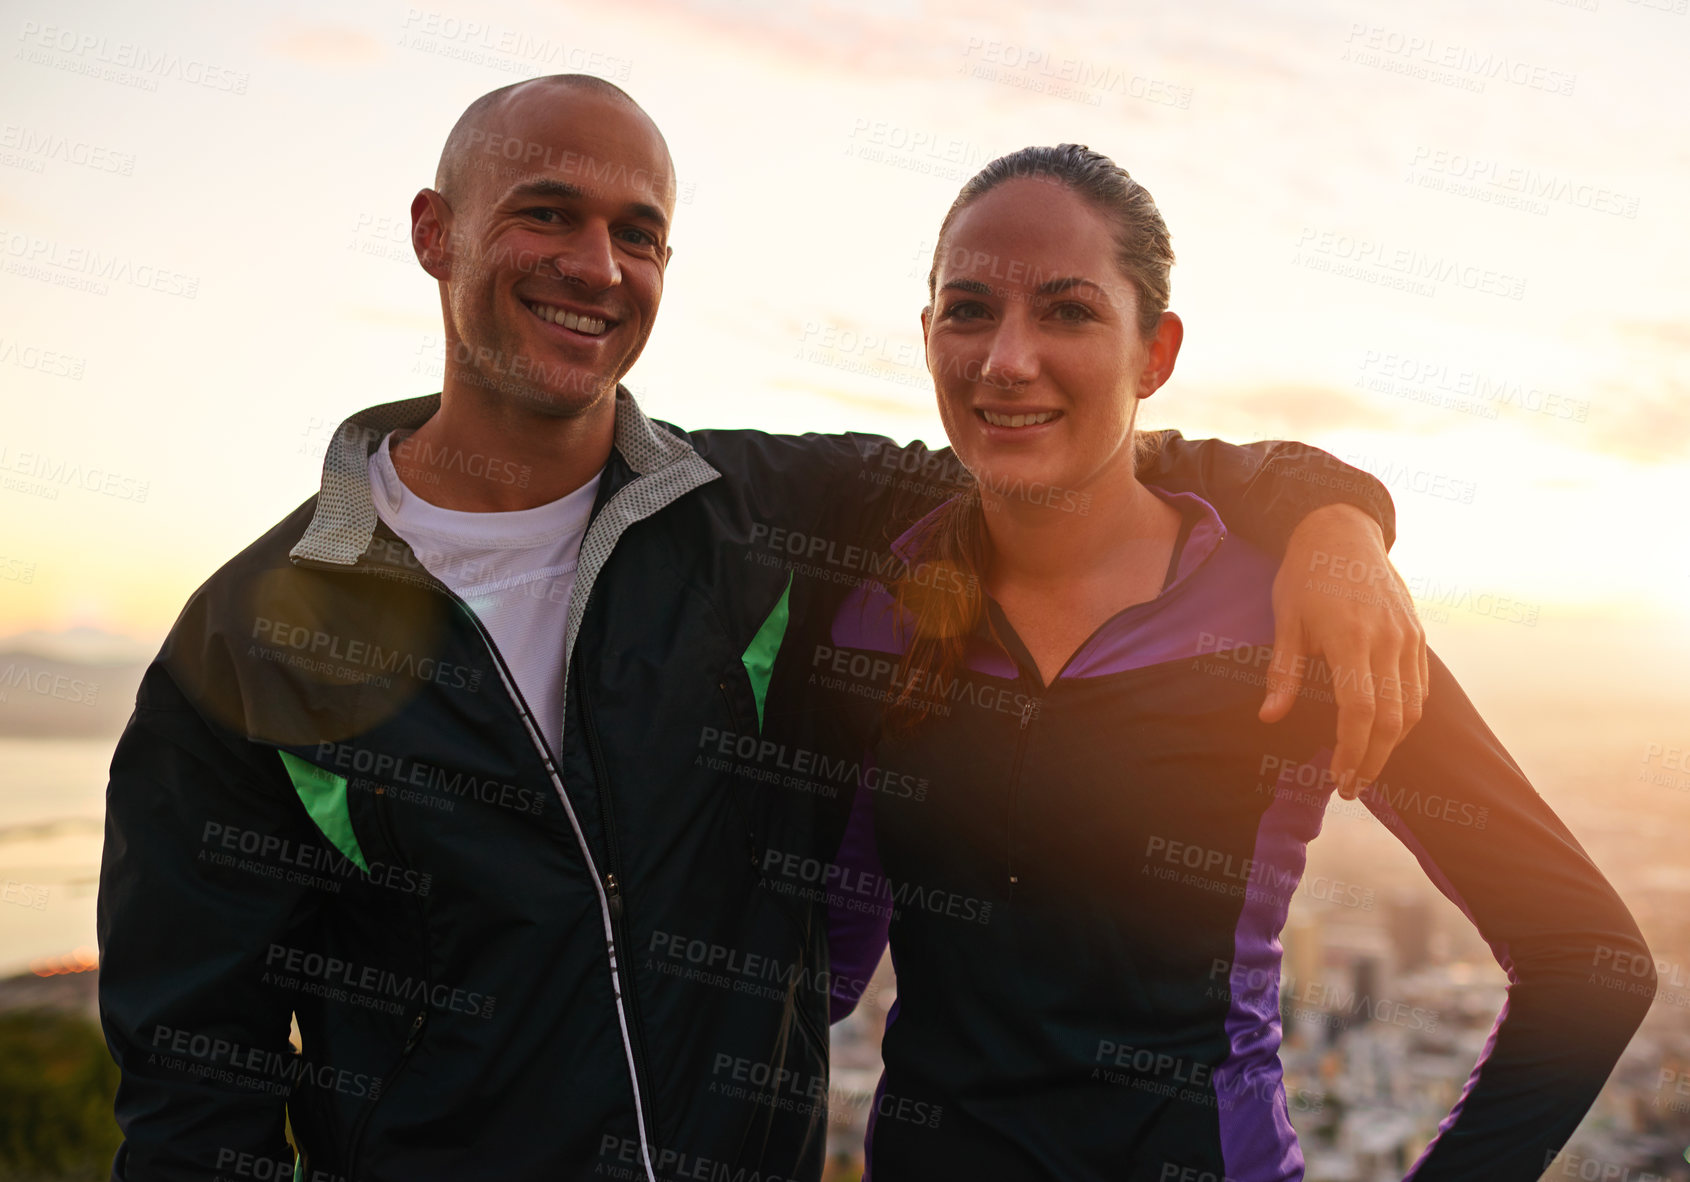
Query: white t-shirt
{"points": [[515, 570]]}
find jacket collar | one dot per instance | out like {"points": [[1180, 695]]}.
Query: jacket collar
{"points": [[345, 519], [1207, 530]]}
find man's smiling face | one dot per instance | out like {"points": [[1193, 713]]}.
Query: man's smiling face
{"points": [[555, 214]]}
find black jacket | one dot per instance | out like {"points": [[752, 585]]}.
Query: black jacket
{"points": [[505, 961]]}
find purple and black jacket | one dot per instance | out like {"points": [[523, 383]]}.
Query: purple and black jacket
{"points": [[1085, 898]]}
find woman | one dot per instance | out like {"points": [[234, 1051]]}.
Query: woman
{"points": [[1125, 834]]}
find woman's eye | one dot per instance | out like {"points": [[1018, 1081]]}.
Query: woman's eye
{"points": [[1072, 313], [964, 310]]}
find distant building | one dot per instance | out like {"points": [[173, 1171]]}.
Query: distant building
{"points": [[1410, 921], [69, 983]]}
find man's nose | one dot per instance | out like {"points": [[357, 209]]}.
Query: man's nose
{"points": [[588, 258]]}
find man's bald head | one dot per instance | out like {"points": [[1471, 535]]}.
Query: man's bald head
{"points": [[548, 233], [485, 138]]}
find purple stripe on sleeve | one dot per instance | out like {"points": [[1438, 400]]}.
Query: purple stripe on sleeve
{"points": [[1257, 1141]]}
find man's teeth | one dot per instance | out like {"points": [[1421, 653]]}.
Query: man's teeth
{"points": [[998, 420], [589, 325]]}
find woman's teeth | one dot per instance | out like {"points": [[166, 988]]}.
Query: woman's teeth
{"points": [[587, 325], [998, 420]]}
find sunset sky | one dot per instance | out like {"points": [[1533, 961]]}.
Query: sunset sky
{"points": [[244, 171]]}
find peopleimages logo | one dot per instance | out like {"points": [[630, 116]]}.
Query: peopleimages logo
{"points": [[286, 860], [34, 256], [372, 982], [148, 64], [1403, 261], [47, 684], [773, 758], [1313, 1000], [855, 889], [328, 646], [43, 361], [277, 1072], [24, 894], [265, 1169], [55, 472], [1293, 778], [817, 554], [405, 771], [43, 146], [672, 1165], [752, 973], [878, 676], [1443, 61]]}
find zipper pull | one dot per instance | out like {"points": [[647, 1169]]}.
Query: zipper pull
{"points": [[613, 896], [1027, 712], [416, 1029]]}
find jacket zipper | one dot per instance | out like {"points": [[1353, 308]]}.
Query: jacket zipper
{"points": [[411, 1041], [384, 825], [1031, 710], [609, 888], [613, 883], [1028, 712], [604, 886]]}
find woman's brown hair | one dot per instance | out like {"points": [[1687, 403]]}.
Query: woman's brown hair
{"points": [[940, 589]]}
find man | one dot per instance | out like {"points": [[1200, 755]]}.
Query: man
{"points": [[478, 763]]}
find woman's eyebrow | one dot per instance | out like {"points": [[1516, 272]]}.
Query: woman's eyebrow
{"points": [[1049, 287], [1057, 286]]}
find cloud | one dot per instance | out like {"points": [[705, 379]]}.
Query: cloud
{"points": [[855, 400], [1646, 426], [333, 46], [1672, 335], [875, 38], [1286, 410], [1642, 412]]}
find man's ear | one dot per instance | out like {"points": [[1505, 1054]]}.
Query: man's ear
{"points": [[431, 233]]}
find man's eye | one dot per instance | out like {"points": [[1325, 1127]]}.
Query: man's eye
{"points": [[1071, 312], [542, 213], [640, 237], [964, 310]]}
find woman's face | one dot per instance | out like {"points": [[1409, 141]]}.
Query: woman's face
{"points": [[1034, 346]]}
